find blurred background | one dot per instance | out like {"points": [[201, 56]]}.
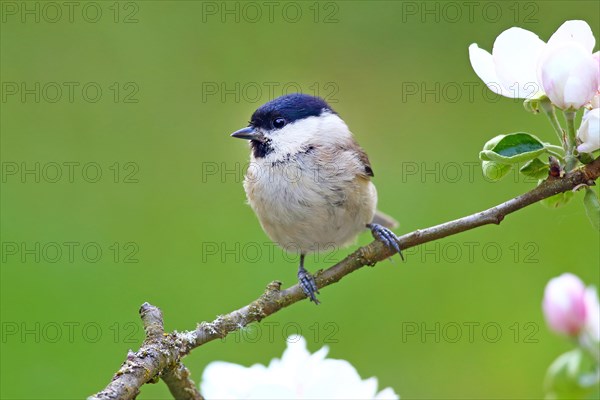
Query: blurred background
{"points": [[120, 184]]}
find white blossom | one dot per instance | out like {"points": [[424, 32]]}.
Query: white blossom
{"points": [[522, 65], [589, 132], [297, 375]]}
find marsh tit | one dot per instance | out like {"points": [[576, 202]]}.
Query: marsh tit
{"points": [[309, 182]]}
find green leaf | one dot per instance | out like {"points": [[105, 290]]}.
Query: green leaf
{"points": [[513, 148], [495, 171], [571, 376], [535, 169], [558, 200], [557, 151], [517, 143], [534, 103], [592, 207]]}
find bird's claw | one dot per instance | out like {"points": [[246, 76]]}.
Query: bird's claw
{"points": [[387, 237], [308, 285]]}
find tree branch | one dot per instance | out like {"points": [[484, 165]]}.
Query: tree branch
{"points": [[180, 384], [160, 354]]}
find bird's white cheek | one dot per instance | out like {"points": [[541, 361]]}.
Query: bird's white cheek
{"points": [[327, 129]]}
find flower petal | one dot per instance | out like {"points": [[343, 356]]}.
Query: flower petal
{"points": [[576, 30], [516, 53], [575, 90], [295, 351], [596, 57], [589, 132], [218, 375], [586, 148], [297, 375], [483, 65], [595, 102], [592, 323], [569, 75], [320, 377], [563, 304], [387, 394]]}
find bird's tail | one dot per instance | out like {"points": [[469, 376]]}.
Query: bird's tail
{"points": [[385, 220]]}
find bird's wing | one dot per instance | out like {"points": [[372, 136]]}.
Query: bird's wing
{"points": [[379, 217], [364, 159]]}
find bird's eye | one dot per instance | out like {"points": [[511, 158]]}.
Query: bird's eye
{"points": [[279, 123]]}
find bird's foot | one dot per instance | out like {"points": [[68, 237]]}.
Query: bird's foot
{"points": [[387, 237], [308, 285]]}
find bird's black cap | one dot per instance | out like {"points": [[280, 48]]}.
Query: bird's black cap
{"points": [[291, 107]]}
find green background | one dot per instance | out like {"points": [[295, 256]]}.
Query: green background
{"points": [[67, 326]]}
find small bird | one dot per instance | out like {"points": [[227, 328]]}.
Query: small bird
{"points": [[309, 182]]}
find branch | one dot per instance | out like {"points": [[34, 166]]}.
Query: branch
{"points": [[160, 354], [180, 384]]}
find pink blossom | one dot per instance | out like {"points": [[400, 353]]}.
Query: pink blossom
{"points": [[564, 304]]}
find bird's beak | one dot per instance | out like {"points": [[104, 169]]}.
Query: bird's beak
{"points": [[248, 133]]}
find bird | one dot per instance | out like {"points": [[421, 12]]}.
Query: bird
{"points": [[309, 182]]}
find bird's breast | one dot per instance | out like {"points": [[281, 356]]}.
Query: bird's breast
{"points": [[306, 205]]}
